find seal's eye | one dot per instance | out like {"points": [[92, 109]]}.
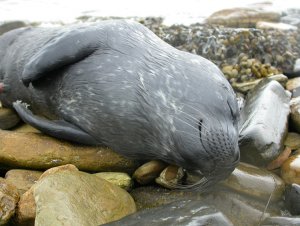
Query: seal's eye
{"points": [[232, 112]]}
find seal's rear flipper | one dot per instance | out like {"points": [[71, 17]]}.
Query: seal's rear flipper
{"points": [[65, 49], [59, 129]]}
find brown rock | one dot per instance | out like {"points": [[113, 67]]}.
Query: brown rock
{"points": [[38, 151], [290, 170], [26, 128], [122, 180], [70, 197], [275, 26], [276, 163], [22, 179], [25, 213], [170, 177], [242, 17], [293, 141], [147, 173], [9, 198]]}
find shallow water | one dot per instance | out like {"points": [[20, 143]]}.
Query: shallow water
{"points": [[174, 11]]}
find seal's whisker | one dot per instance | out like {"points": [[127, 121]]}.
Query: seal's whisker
{"points": [[190, 134]]}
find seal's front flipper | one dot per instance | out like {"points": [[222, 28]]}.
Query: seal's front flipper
{"points": [[59, 129], [67, 48]]}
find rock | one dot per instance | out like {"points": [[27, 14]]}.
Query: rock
{"points": [[295, 113], [292, 198], [26, 128], [170, 177], [297, 66], [7, 26], [122, 180], [276, 26], [25, 212], [290, 170], [247, 86], [241, 17], [281, 221], [78, 198], [38, 151], [293, 85], [22, 179], [8, 118], [255, 182], [179, 213], [263, 123], [147, 173], [9, 198], [293, 141], [277, 163]]}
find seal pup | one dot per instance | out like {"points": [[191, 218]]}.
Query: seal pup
{"points": [[117, 84]]}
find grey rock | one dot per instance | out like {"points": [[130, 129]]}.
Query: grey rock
{"points": [[263, 123], [292, 198]]}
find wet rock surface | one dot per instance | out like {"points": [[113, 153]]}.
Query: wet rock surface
{"points": [[293, 85], [255, 182], [177, 213], [281, 221], [263, 123]]}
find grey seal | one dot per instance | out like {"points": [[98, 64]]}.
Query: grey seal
{"points": [[115, 83]]}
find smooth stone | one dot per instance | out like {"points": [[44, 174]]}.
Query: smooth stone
{"points": [[78, 198], [292, 140], [275, 26], [281, 221], [170, 177], [255, 182], [26, 210], [277, 163], [179, 213], [26, 128], [241, 17], [295, 113], [22, 179], [123, 180], [292, 84], [8, 118], [263, 123], [7, 26], [245, 87], [39, 152], [147, 172], [290, 170], [9, 198], [292, 198]]}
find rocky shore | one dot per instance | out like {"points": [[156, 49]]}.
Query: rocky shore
{"points": [[46, 181]]}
